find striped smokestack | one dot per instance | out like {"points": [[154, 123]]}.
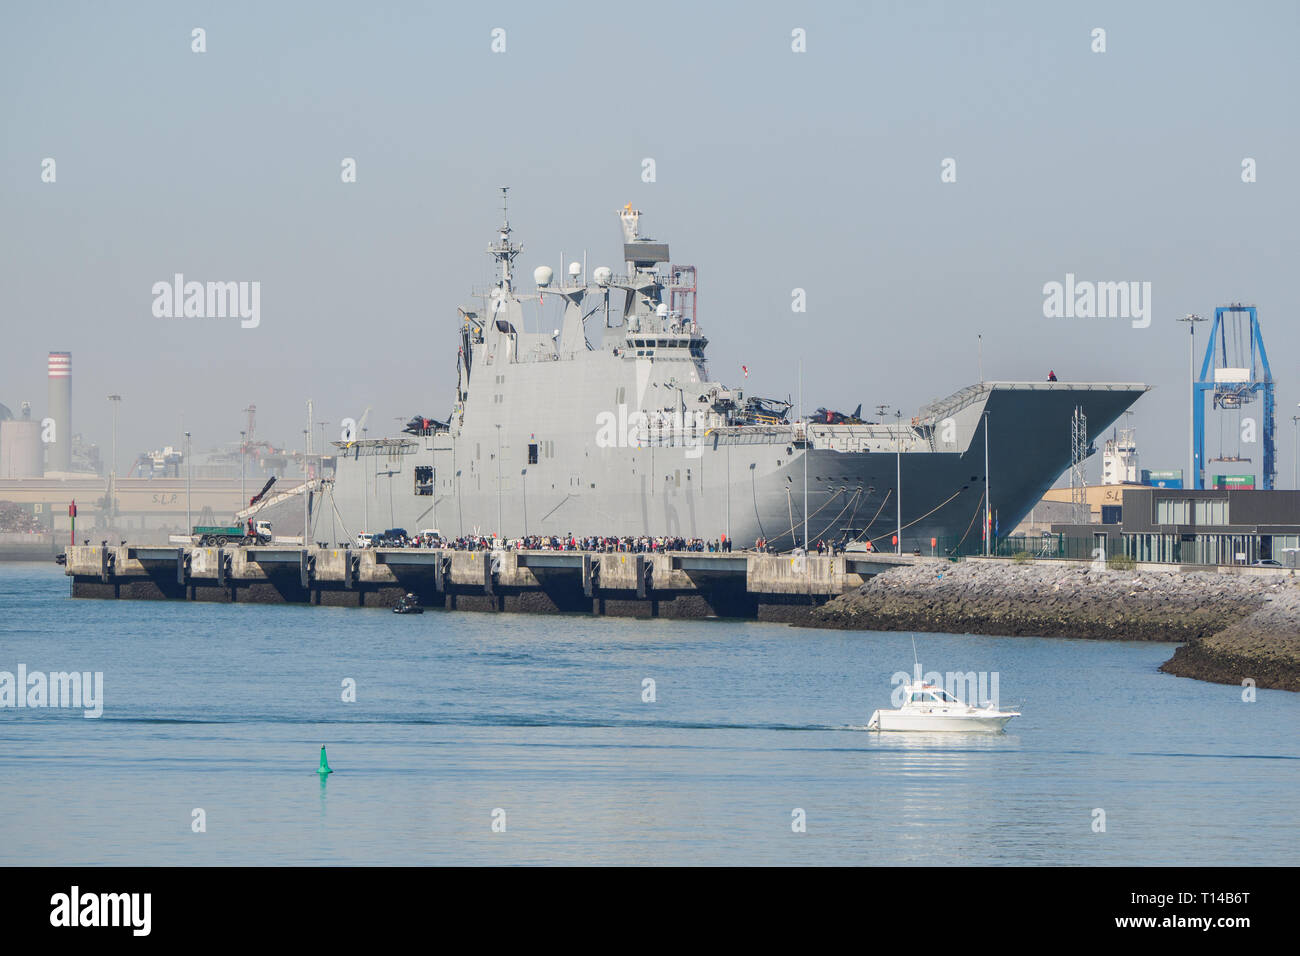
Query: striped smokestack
{"points": [[59, 451]]}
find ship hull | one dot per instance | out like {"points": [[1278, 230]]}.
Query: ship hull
{"points": [[744, 484]]}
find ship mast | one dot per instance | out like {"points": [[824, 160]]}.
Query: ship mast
{"points": [[503, 250]]}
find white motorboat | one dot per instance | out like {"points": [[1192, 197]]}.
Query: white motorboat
{"points": [[927, 707]]}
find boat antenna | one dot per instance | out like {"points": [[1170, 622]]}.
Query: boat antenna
{"points": [[916, 661]]}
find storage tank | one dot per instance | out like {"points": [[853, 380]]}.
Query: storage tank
{"points": [[20, 449]]}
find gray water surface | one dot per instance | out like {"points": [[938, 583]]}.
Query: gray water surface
{"points": [[225, 708]]}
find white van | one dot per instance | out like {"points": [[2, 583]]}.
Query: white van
{"points": [[364, 539]]}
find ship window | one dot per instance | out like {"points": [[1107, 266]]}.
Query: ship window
{"points": [[532, 453], [424, 479]]}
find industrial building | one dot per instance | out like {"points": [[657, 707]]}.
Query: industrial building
{"points": [[1211, 526]]}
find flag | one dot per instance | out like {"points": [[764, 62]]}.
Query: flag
{"points": [[745, 369]]}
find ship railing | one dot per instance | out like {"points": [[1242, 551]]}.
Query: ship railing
{"points": [[749, 434], [945, 407], [885, 438]]}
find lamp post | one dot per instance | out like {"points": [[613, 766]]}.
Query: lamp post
{"points": [[898, 480], [306, 491], [1193, 473], [189, 471], [499, 530], [729, 492], [880, 414], [115, 400], [1295, 465], [392, 518], [988, 523], [806, 446]]}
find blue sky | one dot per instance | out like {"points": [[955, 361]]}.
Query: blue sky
{"points": [[775, 170]]}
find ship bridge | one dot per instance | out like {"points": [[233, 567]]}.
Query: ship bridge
{"points": [[646, 345]]}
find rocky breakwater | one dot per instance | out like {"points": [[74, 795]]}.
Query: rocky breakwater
{"points": [[1265, 647], [1235, 625]]}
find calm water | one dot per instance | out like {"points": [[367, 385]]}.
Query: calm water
{"points": [[226, 707]]}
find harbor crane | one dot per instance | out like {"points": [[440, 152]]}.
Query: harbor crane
{"points": [[1236, 374]]}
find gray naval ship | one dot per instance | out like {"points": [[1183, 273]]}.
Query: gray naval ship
{"points": [[610, 425]]}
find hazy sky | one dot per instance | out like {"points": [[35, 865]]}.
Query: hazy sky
{"points": [[774, 170]]}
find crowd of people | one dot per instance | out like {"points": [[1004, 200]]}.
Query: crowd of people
{"points": [[637, 544], [632, 544]]}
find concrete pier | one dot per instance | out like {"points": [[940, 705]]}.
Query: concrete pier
{"points": [[669, 584]]}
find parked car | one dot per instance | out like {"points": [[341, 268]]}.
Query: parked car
{"points": [[365, 540], [1266, 563]]}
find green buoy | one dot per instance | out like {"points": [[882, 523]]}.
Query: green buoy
{"points": [[324, 764]]}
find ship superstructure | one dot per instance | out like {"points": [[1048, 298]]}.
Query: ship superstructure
{"points": [[611, 425]]}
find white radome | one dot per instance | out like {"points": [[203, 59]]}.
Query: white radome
{"points": [[602, 275], [542, 275]]}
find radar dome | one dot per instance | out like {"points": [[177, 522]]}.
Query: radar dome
{"points": [[542, 275], [602, 275], [575, 269]]}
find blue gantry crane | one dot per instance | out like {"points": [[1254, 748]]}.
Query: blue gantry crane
{"points": [[1236, 374]]}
